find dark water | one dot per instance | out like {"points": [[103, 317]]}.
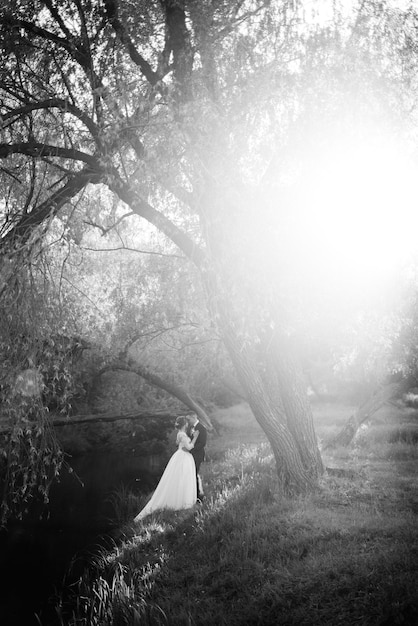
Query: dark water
{"points": [[35, 555]]}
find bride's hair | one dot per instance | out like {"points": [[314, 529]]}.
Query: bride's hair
{"points": [[180, 422]]}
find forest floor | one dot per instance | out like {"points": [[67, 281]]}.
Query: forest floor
{"points": [[344, 555]]}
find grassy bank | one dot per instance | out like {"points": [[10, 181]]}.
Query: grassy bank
{"points": [[347, 554]]}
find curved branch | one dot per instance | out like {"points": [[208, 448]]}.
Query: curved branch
{"points": [[59, 103], [169, 386], [36, 149], [9, 22], [142, 208], [69, 44], [22, 230]]}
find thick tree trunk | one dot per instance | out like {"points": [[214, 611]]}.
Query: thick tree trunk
{"points": [[269, 377], [292, 389], [284, 416]]}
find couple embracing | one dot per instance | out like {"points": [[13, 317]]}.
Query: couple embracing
{"points": [[180, 486]]}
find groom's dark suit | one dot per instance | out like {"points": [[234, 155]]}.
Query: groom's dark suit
{"points": [[198, 452]]}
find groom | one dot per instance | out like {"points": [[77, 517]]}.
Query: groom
{"points": [[199, 434]]}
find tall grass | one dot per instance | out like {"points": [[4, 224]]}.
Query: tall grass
{"points": [[347, 554]]}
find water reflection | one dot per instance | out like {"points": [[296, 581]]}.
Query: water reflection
{"points": [[81, 498], [35, 554]]}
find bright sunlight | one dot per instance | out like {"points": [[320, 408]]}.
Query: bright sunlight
{"points": [[359, 206]]}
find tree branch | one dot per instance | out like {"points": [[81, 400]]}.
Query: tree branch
{"points": [[55, 14], [139, 206], [59, 103], [36, 149], [169, 386], [111, 7], [137, 250], [21, 231], [9, 22], [69, 44], [108, 417]]}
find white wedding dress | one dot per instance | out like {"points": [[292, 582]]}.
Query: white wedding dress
{"points": [[177, 487]]}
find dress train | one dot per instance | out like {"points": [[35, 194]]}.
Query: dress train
{"points": [[176, 489]]}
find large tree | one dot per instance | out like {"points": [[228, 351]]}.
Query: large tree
{"points": [[181, 109]]}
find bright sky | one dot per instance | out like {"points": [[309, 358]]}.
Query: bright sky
{"points": [[322, 11]]}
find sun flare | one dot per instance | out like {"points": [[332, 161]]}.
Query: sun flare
{"points": [[359, 207]]}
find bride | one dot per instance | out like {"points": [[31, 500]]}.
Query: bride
{"points": [[177, 487]]}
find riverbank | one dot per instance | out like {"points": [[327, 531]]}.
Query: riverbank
{"points": [[347, 554]]}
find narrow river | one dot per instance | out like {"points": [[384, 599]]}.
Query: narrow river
{"points": [[35, 554]]}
